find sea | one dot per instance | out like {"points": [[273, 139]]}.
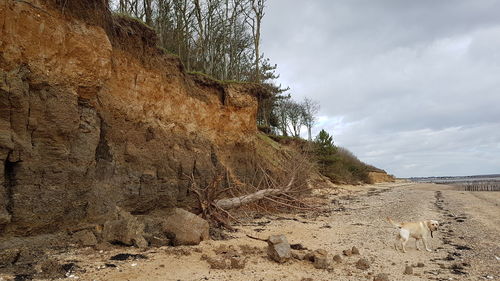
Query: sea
{"points": [[468, 183]]}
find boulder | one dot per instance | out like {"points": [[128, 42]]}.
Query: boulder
{"points": [[278, 248], [85, 238], [321, 259], [125, 229], [186, 228]]}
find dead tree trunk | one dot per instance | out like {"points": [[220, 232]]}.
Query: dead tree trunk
{"points": [[230, 203]]}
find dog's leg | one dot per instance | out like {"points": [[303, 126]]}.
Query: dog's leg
{"points": [[396, 242], [425, 245], [404, 244], [405, 236], [416, 244]]}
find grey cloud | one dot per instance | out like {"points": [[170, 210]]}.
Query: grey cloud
{"points": [[403, 77]]}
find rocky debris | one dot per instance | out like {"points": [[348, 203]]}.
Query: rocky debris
{"points": [[337, 258], [278, 248], [125, 229], [363, 264], [126, 256], [420, 264], [85, 238], [226, 258], [354, 250], [408, 270], [186, 228], [381, 277], [320, 259], [306, 279]]}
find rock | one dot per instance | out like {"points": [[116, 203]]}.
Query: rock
{"points": [[337, 258], [354, 250], [420, 264], [408, 270], [381, 277], [85, 238], [238, 262], [298, 247], [51, 269], [298, 255], [321, 260], [217, 263], [8, 256], [347, 253], [306, 279], [186, 228], [278, 248], [126, 229], [363, 264], [157, 241]]}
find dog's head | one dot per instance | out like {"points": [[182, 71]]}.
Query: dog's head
{"points": [[432, 225]]}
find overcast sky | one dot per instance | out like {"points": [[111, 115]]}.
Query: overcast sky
{"points": [[412, 87]]}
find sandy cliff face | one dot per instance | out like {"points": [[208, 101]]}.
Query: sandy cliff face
{"points": [[87, 125]]}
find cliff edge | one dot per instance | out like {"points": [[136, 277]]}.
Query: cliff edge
{"points": [[94, 117]]}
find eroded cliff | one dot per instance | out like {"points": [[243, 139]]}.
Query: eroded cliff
{"points": [[90, 121]]}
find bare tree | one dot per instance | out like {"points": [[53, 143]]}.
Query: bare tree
{"points": [[254, 20], [310, 109]]}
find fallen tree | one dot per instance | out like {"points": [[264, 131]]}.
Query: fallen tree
{"points": [[283, 189]]}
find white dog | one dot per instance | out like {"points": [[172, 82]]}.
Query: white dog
{"points": [[418, 230]]}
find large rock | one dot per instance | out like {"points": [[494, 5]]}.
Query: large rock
{"points": [[278, 248], [125, 229], [85, 238], [186, 228], [321, 259]]}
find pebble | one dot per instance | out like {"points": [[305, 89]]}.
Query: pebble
{"points": [[408, 270], [363, 264]]}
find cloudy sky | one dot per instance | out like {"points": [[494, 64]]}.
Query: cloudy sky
{"points": [[412, 87]]}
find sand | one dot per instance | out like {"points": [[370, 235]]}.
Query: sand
{"points": [[465, 248]]}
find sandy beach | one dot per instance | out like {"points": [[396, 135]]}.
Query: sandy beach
{"points": [[465, 248]]}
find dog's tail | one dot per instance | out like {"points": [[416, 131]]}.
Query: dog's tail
{"points": [[393, 223]]}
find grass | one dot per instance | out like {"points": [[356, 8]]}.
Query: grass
{"points": [[132, 18]]}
